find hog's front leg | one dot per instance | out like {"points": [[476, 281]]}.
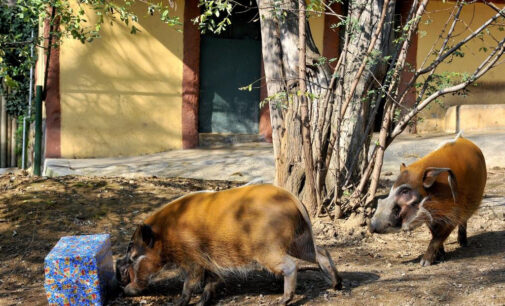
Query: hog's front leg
{"points": [[193, 278], [211, 283], [435, 251]]}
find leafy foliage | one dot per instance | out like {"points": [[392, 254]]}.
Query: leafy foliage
{"points": [[16, 26], [215, 16]]}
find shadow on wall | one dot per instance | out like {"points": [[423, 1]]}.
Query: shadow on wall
{"points": [[122, 94]]}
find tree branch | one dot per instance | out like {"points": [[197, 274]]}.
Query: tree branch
{"points": [[440, 52], [487, 64], [460, 44], [389, 107]]}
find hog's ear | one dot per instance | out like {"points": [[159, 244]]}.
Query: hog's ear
{"points": [[146, 234], [402, 167], [431, 174]]}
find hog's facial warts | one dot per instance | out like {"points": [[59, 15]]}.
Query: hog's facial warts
{"points": [[404, 208], [400, 210]]}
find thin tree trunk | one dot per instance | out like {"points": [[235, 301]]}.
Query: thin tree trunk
{"points": [[13, 142], [386, 121], [312, 191], [9, 140], [274, 75], [3, 133]]}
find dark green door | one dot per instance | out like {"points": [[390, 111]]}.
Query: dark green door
{"points": [[227, 62]]}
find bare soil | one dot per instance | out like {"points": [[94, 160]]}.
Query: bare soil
{"points": [[377, 269]]}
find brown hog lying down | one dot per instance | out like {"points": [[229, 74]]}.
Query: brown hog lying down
{"points": [[211, 234], [442, 189]]}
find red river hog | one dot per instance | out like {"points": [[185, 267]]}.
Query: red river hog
{"points": [[442, 189], [209, 235]]}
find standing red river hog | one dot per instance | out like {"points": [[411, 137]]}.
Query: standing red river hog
{"points": [[209, 235], [442, 189]]}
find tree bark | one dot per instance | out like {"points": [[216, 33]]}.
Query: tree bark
{"points": [[3, 132], [13, 141], [312, 191], [357, 81], [280, 38], [281, 61]]}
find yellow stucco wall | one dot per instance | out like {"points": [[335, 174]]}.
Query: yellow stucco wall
{"points": [[121, 95], [316, 23], [491, 87]]}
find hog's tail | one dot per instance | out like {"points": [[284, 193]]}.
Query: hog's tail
{"points": [[304, 246]]}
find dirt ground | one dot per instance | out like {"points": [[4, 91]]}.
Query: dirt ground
{"points": [[377, 269]]}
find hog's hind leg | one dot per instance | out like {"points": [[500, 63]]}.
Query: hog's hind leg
{"points": [[284, 265], [289, 271]]}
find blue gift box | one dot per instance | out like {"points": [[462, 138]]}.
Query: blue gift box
{"points": [[78, 270]]}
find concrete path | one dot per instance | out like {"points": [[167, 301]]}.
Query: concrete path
{"points": [[240, 163], [252, 161], [6, 170]]}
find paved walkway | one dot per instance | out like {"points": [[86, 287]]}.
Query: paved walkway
{"points": [[5, 170], [252, 161], [241, 163]]}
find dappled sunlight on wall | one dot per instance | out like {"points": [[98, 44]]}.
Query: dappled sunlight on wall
{"points": [[122, 94]]}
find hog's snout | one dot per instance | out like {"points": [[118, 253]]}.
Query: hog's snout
{"points": [[376, 227], [384, 224], [372, 227]]}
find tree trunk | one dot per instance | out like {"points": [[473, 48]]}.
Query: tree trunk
{"points": [[353, 139], [13, 141], [280, 55], [3, 132]]}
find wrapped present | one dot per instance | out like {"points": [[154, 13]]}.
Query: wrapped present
{"points": [[78, 270]]}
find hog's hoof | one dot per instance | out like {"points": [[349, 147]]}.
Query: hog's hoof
{"points": [[286, 299], [337, 285], [183, 300], [425, 262], [463, 242], [131, 290], [180, 302]]}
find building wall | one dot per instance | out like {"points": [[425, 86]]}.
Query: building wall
{"points": [[316, 23], [121, 95], [490, 88]]}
